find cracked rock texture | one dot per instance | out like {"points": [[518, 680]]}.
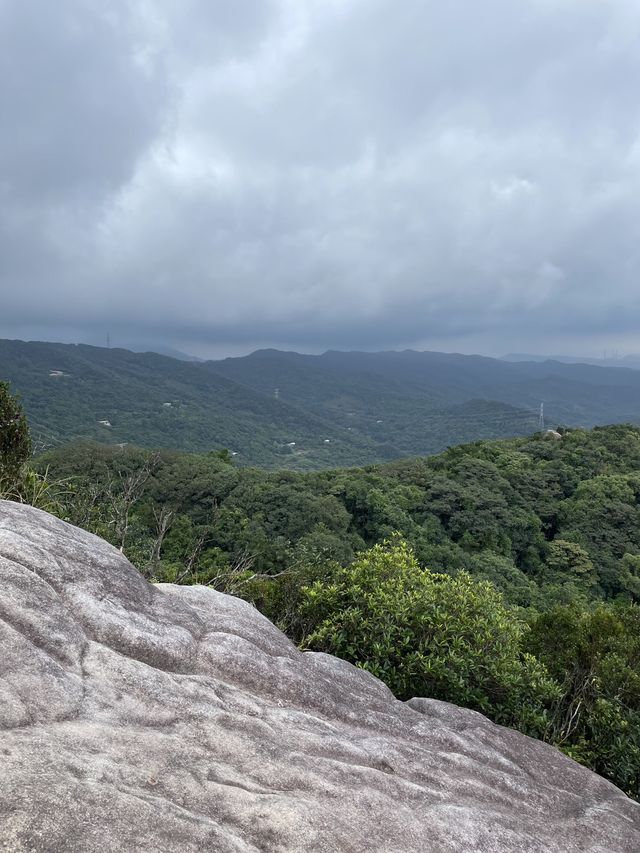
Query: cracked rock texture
{"points": [[162, 718]]}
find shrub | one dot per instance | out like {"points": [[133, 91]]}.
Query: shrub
{"points": [[429, 634], [15, 441]]}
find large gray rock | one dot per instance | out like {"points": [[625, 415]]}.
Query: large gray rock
{"points": [[164, 718]]}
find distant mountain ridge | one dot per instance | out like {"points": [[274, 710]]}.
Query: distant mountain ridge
{"points": [[284, 409], [171, 352], [631, 361], [573, 394]]}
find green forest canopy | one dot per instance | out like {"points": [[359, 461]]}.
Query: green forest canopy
{"points": [[547, 521]]}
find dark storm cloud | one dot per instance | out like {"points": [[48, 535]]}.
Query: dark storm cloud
{"points": [[321, 172]]}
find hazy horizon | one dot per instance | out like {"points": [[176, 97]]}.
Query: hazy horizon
{"points": [[216, 354]]}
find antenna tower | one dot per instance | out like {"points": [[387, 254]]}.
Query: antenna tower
{"points": [[541, 420]]}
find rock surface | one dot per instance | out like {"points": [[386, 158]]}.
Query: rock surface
{"points": [[161, 718]]}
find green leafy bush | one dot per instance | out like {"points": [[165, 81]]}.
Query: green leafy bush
{"points": [[15, 441], [428, 634], [594, 655]]}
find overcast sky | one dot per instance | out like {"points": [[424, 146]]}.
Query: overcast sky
{"points": [[220, 175]]}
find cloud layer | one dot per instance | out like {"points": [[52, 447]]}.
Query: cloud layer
{"points": [[350, 173]]}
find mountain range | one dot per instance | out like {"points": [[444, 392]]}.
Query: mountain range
{"points": [[632, 360], [284, 409]]}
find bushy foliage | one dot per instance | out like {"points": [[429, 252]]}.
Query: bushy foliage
{"points": [[19, 481], [595, 656], [428, 634], [15, 441]]}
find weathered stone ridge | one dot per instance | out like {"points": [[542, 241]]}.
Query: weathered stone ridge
{"points": [[160, 718]]}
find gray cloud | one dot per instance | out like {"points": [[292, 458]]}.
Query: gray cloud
{"points": [[322, 173]]}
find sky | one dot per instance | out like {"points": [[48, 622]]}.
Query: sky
{"points": [[222, 175]]}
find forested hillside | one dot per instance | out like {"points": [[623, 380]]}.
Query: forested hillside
{"points": [[501, 575], [404, 397], [545, 520], [285, 410], [120, 397]]}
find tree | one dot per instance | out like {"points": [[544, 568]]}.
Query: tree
{"points": [[15, 441], [428, 634], [594, 656], [603, 516], [630, 574], [123, 493], [569, 561]]}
